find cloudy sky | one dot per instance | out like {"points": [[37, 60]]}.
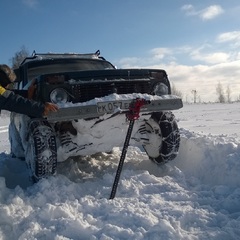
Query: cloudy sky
{"points": [[196, 42]]}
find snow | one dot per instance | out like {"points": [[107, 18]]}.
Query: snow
{"points": [[196, 196], [118, 97]]}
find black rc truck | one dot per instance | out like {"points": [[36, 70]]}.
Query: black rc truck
{"points": [[93, 98]]}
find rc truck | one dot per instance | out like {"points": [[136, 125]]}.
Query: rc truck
{"points": [[94, 98]]}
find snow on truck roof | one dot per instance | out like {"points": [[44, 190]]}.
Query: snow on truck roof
{"points": [[44, 56]]}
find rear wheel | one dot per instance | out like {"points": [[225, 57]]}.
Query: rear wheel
{"points": [[163, 137], [41, 150]]}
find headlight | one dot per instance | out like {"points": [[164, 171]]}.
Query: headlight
{"points": [[59, 95], [160, 89]]}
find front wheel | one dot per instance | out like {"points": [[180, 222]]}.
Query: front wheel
{"points": [[41, 150], [163, 137]]}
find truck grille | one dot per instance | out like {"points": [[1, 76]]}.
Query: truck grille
{"points": [[87, 91]]}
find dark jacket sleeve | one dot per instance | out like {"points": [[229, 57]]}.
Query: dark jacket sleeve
{"points": [[16, 103], [23, 93]]}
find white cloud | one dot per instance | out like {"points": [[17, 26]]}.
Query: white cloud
{"points": [[229, 37], [205, 14], [211, 12], [189, 9], [211, 58], [160, 53], [30, 3], [232, 39], [203, 54], [129, 62]]}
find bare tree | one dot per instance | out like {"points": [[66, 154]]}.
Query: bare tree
{"points": [[19, 57], [220, 94], [238, 98], [176, 92], [194, 92], [228, 93]]}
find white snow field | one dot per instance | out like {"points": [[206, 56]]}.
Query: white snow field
{"points": [[196, 196]]}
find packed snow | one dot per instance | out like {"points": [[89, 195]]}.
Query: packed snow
{"points": [[196, 196]]}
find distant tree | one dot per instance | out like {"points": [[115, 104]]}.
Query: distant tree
{"points": [[194, 92], [220, 94], [175, 91], [238, 98], [19, 57], [228, 93]]}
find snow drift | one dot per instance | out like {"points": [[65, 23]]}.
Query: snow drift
{"points": [[196, 196]]}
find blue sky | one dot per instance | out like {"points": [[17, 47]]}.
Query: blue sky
{"points": [[196, 42]]}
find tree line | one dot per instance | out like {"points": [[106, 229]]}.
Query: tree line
{"points": [[223, 96]]}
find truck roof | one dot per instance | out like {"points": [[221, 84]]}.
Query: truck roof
{"points": [[44, 56]]}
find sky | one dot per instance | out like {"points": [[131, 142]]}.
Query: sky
{"points": [[196, 42]]}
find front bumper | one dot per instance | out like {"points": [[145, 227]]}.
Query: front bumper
{"points": [[102, 107]]}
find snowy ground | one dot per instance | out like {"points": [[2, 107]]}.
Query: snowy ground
{"points": [[196, 196]]}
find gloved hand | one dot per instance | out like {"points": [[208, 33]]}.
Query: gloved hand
{"points": [[49, 107]]}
